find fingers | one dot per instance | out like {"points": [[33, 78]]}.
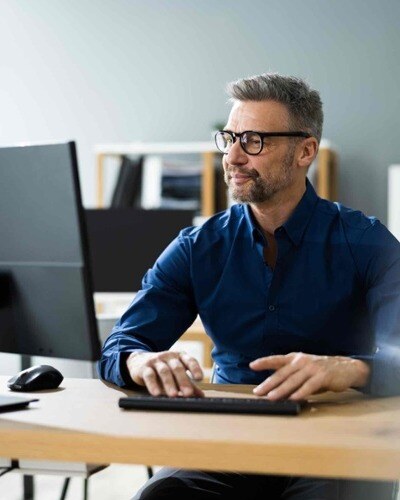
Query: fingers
{"points": [[182, 381], [192, 365], [311, 386], [197, 392], [275, 380], [297, 375], [271, 362], [151, 381], [166, 377], [291, 385], [166, 373]]}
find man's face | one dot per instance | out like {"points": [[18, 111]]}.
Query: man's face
{"points": [[256, 179]]}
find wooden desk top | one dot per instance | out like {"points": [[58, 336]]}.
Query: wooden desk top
{"points": [[340, 435]]}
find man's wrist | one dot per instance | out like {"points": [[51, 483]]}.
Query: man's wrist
{"points": [[362, 372], [124, 369], [132, 357]]}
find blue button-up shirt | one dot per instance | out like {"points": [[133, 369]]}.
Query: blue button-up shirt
{"points": [[335, 290]]}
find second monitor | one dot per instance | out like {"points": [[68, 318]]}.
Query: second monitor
{"points": [[125, 242]]}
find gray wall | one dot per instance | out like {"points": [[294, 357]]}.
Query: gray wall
{"points": [[117, 70]]}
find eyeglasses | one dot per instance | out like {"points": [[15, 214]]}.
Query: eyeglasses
{"points": [[252, 142]]}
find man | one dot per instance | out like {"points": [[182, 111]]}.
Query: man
{"points": [[298, 294]]}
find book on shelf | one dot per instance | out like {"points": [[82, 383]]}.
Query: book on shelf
{"points": [[222, 200]]}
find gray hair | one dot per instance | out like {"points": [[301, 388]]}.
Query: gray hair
{"points": [[302, 102]]}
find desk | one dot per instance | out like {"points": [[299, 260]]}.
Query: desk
{"points": [[345, 435]]}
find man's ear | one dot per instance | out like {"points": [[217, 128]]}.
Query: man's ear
{"points": [[308, 152]]}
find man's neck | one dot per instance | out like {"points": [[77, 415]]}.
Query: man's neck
{"points": [[273, 213]]}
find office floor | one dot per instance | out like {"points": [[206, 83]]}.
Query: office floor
{"points": [[117, 482]]}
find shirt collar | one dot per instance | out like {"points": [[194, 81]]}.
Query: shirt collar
{"points": [[255, 232], [297, 222]]}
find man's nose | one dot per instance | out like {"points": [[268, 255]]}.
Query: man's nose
{"points": [[236, 154]]}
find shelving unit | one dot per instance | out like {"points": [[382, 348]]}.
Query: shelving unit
{"points": [[326, 170], [207, 150]]}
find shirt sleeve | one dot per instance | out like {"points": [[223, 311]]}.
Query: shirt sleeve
{"points": [[160, 313], [378, 260]]}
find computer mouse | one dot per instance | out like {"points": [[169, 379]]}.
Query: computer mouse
{"points": [[36, 378]]}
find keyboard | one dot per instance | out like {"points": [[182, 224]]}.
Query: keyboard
{"points": [[212, 405]]}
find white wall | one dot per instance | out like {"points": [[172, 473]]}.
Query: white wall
{"points": [[117, 70]]}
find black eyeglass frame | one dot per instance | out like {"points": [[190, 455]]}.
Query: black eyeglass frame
{"points": [[262, 136]]}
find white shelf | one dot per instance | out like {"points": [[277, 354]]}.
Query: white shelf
{"points": [[149, 148], [394, 200], [68, 469]]}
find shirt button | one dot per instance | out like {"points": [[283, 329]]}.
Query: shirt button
{"points": [[271, 308]]}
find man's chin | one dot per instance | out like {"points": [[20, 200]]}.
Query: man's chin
{"points": [[240, 196]]}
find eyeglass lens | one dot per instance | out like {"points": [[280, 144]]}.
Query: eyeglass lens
{"points": [[251, 142]]}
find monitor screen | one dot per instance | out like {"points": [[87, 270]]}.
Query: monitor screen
{"points": [[46, 296]]}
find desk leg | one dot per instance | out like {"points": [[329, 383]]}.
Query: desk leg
{"points": [[28, 485], [28, 488], [65, 488], [85, 488]]}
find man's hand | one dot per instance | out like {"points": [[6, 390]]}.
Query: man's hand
{"points": [[165, 373], [298, 375]]}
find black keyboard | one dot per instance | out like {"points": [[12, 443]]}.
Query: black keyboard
{"points": [[212, 405]]}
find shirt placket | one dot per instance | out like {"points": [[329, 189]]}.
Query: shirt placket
{"points": [[272, 312]]}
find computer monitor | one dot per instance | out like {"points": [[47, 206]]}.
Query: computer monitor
{"points": [[46, 299], [125, 242]]}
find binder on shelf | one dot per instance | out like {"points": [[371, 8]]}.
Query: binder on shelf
{"points": [[129, 182], [222, 198]]}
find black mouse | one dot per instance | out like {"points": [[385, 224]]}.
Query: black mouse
{"points": [[36, 378]]}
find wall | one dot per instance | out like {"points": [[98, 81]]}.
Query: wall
{"points": [[118, 70]]}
